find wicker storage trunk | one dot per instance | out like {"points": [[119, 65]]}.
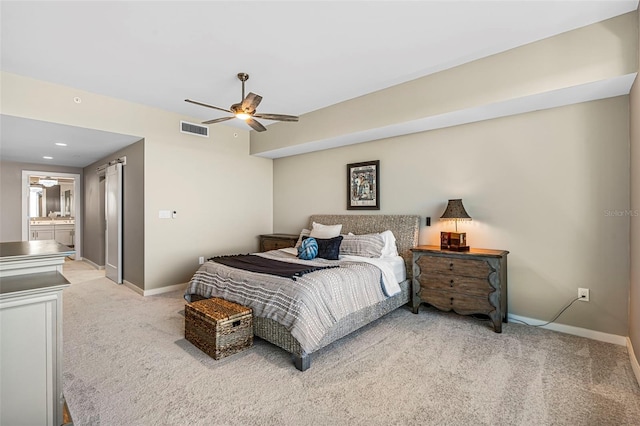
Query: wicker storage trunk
{"points": [[217, 327]]}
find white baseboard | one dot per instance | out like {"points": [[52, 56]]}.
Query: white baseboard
{"points": [[154, 291], [98, 267], [634, 360], [166, 289], [576, 331], [133, 287]]}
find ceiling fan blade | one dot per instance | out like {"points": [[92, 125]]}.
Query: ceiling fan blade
{"points": [[255, 125], [251, 102], [206, 105], [217, 120], [278, 117]]}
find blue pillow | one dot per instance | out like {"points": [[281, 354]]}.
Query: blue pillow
{"points": [[308, 249], [328, 248]]}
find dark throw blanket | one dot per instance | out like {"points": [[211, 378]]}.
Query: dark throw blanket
{"points": [[253, 263]]}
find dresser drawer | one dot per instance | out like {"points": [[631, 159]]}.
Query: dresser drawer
{"points": [[468, 267], [471, 286], [461, 303], [270, 244], [277, 241]]}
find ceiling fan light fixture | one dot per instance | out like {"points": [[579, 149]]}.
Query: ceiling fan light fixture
{"points": [[239, 112]]}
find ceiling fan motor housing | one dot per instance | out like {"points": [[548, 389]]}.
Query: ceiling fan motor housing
{"points": [[237, 109]]}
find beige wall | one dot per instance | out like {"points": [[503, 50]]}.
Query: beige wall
{"points": [[222, 195], [132, 216], [634, 293], [536, 184], [545, 185], [594, 53], [11, 195]]}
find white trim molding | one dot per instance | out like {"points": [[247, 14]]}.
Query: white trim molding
{"points": [[634, 360], [167, 289], [94, 265], [155, 291], [133, 287], [576, 331]]}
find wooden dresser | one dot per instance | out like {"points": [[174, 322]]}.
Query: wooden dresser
{"points": [[277, 241], [471, 282]]}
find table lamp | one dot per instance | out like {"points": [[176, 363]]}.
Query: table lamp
{"points": [[454, 241]]}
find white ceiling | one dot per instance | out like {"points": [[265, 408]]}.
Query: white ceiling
{"points": [[29, 141], [301, 56]]}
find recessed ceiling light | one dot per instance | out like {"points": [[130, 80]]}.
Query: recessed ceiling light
{"points": [[77, 100], [61, 144], [46, 157]]}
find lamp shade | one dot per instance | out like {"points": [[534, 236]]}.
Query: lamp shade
{"points": [[455, 211]]}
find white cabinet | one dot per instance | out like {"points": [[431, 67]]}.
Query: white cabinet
{"points": [[41, 232], [31, 349], [64, 234]]}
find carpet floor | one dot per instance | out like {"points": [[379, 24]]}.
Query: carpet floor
{"points": [[126, 362]]}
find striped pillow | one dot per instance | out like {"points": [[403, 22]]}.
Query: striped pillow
{"points": [[367, 245]]}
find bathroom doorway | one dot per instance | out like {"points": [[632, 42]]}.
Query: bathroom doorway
{"points": [[52, 208]]}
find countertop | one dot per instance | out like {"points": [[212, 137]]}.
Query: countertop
{"points": [[17, 250], [32, 283], [56, 221]]}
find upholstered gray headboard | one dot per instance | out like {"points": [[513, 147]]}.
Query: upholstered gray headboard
{"points": [[405, 228]]}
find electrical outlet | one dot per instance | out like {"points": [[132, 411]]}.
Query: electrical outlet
{"points": [[583, 294], [201, 260]]}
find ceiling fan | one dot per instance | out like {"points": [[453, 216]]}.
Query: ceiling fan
{"points": [[246, 109]]}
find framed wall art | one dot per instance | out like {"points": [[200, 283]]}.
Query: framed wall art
{"points": [[363, 186]]}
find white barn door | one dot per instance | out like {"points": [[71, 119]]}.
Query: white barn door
{"points": [[113, 217]]}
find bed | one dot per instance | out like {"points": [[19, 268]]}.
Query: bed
{"points": [[278, 331]]}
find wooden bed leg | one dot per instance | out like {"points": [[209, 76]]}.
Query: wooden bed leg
{"points": [[302, 362]]}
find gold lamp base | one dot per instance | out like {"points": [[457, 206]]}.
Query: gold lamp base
{"points": [[453, 241]]}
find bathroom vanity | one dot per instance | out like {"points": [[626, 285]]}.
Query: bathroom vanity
{"points": [[60, 229]]}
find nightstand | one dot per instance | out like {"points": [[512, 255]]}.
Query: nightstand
{"points": [[277, 241], [471, 282]]}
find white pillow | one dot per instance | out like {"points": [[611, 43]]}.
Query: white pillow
{"points": [[304, 233], [390, 249], [325, 231]]}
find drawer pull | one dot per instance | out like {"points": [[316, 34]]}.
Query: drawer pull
{"points": [[237, 323], [451, 283], [452, 300], [451, 266]]}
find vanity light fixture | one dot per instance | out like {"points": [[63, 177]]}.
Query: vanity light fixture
{"points": [[48, 182], [46, 157], [61, 144]]}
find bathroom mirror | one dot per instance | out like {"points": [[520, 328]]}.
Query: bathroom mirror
{"points": [[50, 199]]}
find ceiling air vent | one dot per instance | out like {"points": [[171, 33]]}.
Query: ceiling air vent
{"points": [[194, 129]]}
